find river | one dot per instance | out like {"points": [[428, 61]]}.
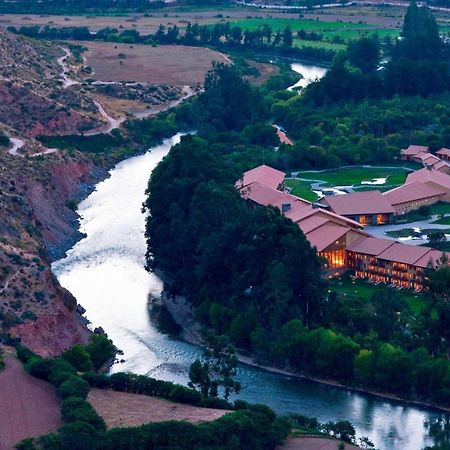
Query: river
{"points": [[105, 272]]}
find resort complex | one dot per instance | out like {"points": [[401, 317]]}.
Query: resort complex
{"points": [[334, 225]]}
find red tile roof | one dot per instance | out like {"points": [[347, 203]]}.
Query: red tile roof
{"points": [[433, 257], [268, 176], [324, 236], [367, 202], [413, 150], [410, 192], [444, 152], [265, 196], [403, 253], [396, 252], [441, 165], [430, 176], [370, 245], [298, 216]]}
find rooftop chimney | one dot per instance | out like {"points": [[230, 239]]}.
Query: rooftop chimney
{"points": [[285, 207]]}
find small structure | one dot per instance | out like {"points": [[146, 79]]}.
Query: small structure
{"points": [[409, 153], [366, 208], [434, 178], [444, 154], [412, 196], [266, 175]]}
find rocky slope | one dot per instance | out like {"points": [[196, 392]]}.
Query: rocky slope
{"points": [[35, 218], [33, 100]]}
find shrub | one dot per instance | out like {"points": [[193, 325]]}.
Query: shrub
{"points": [[78, 436], [99, 380], [79, 358], [38, 367], [24, 354], [101, 350], [75, 409], [60, 371], [183, 394], [74, 387]]}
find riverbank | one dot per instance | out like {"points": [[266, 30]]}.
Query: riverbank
{"points": [[182, 313]]}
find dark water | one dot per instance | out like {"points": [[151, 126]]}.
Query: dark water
{"points": [[105, 273]]}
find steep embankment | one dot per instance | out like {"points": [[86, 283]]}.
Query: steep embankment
{"points": [[36, 223]]}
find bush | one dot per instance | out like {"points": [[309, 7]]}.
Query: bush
{"points": [[60, 371], [75, 409], [99, 380], [74, 387], [101, 349], [24, 354], [78, 436], [217, 403], [183, 394], [79, 358], [38, 367]]}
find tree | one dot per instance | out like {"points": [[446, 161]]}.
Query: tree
{"points": [[364, 53], [101, 349], [217, 369], [287, 37], [436, 237]]}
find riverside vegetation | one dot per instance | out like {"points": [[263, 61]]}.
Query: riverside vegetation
{"points": [[251, 274]]}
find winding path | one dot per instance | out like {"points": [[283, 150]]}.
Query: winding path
{"points": [[112, 122], [65, 69], [17, 144]]}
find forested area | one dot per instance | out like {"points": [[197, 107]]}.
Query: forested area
{"points": [[252, 275]]}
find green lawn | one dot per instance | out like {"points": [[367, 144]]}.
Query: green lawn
{"points": [[364, 290], [301, 189], [354, 175], [443, 221], [405, 232], [440, 208]]}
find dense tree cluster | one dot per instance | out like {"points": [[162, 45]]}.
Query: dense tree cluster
{"points": [[353, 133], [418, 64]]}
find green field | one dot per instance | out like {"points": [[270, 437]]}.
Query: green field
{"points": [[354, 175], [299, 24]]}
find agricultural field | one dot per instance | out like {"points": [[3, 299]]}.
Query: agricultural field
{"points": [[164, 65], [122, 409]]}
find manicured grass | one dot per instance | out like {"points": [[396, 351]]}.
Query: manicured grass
{"points": [[443, 221], [301, 189], [364, 290], [354, 175], [405, 232], [440, 208]]}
